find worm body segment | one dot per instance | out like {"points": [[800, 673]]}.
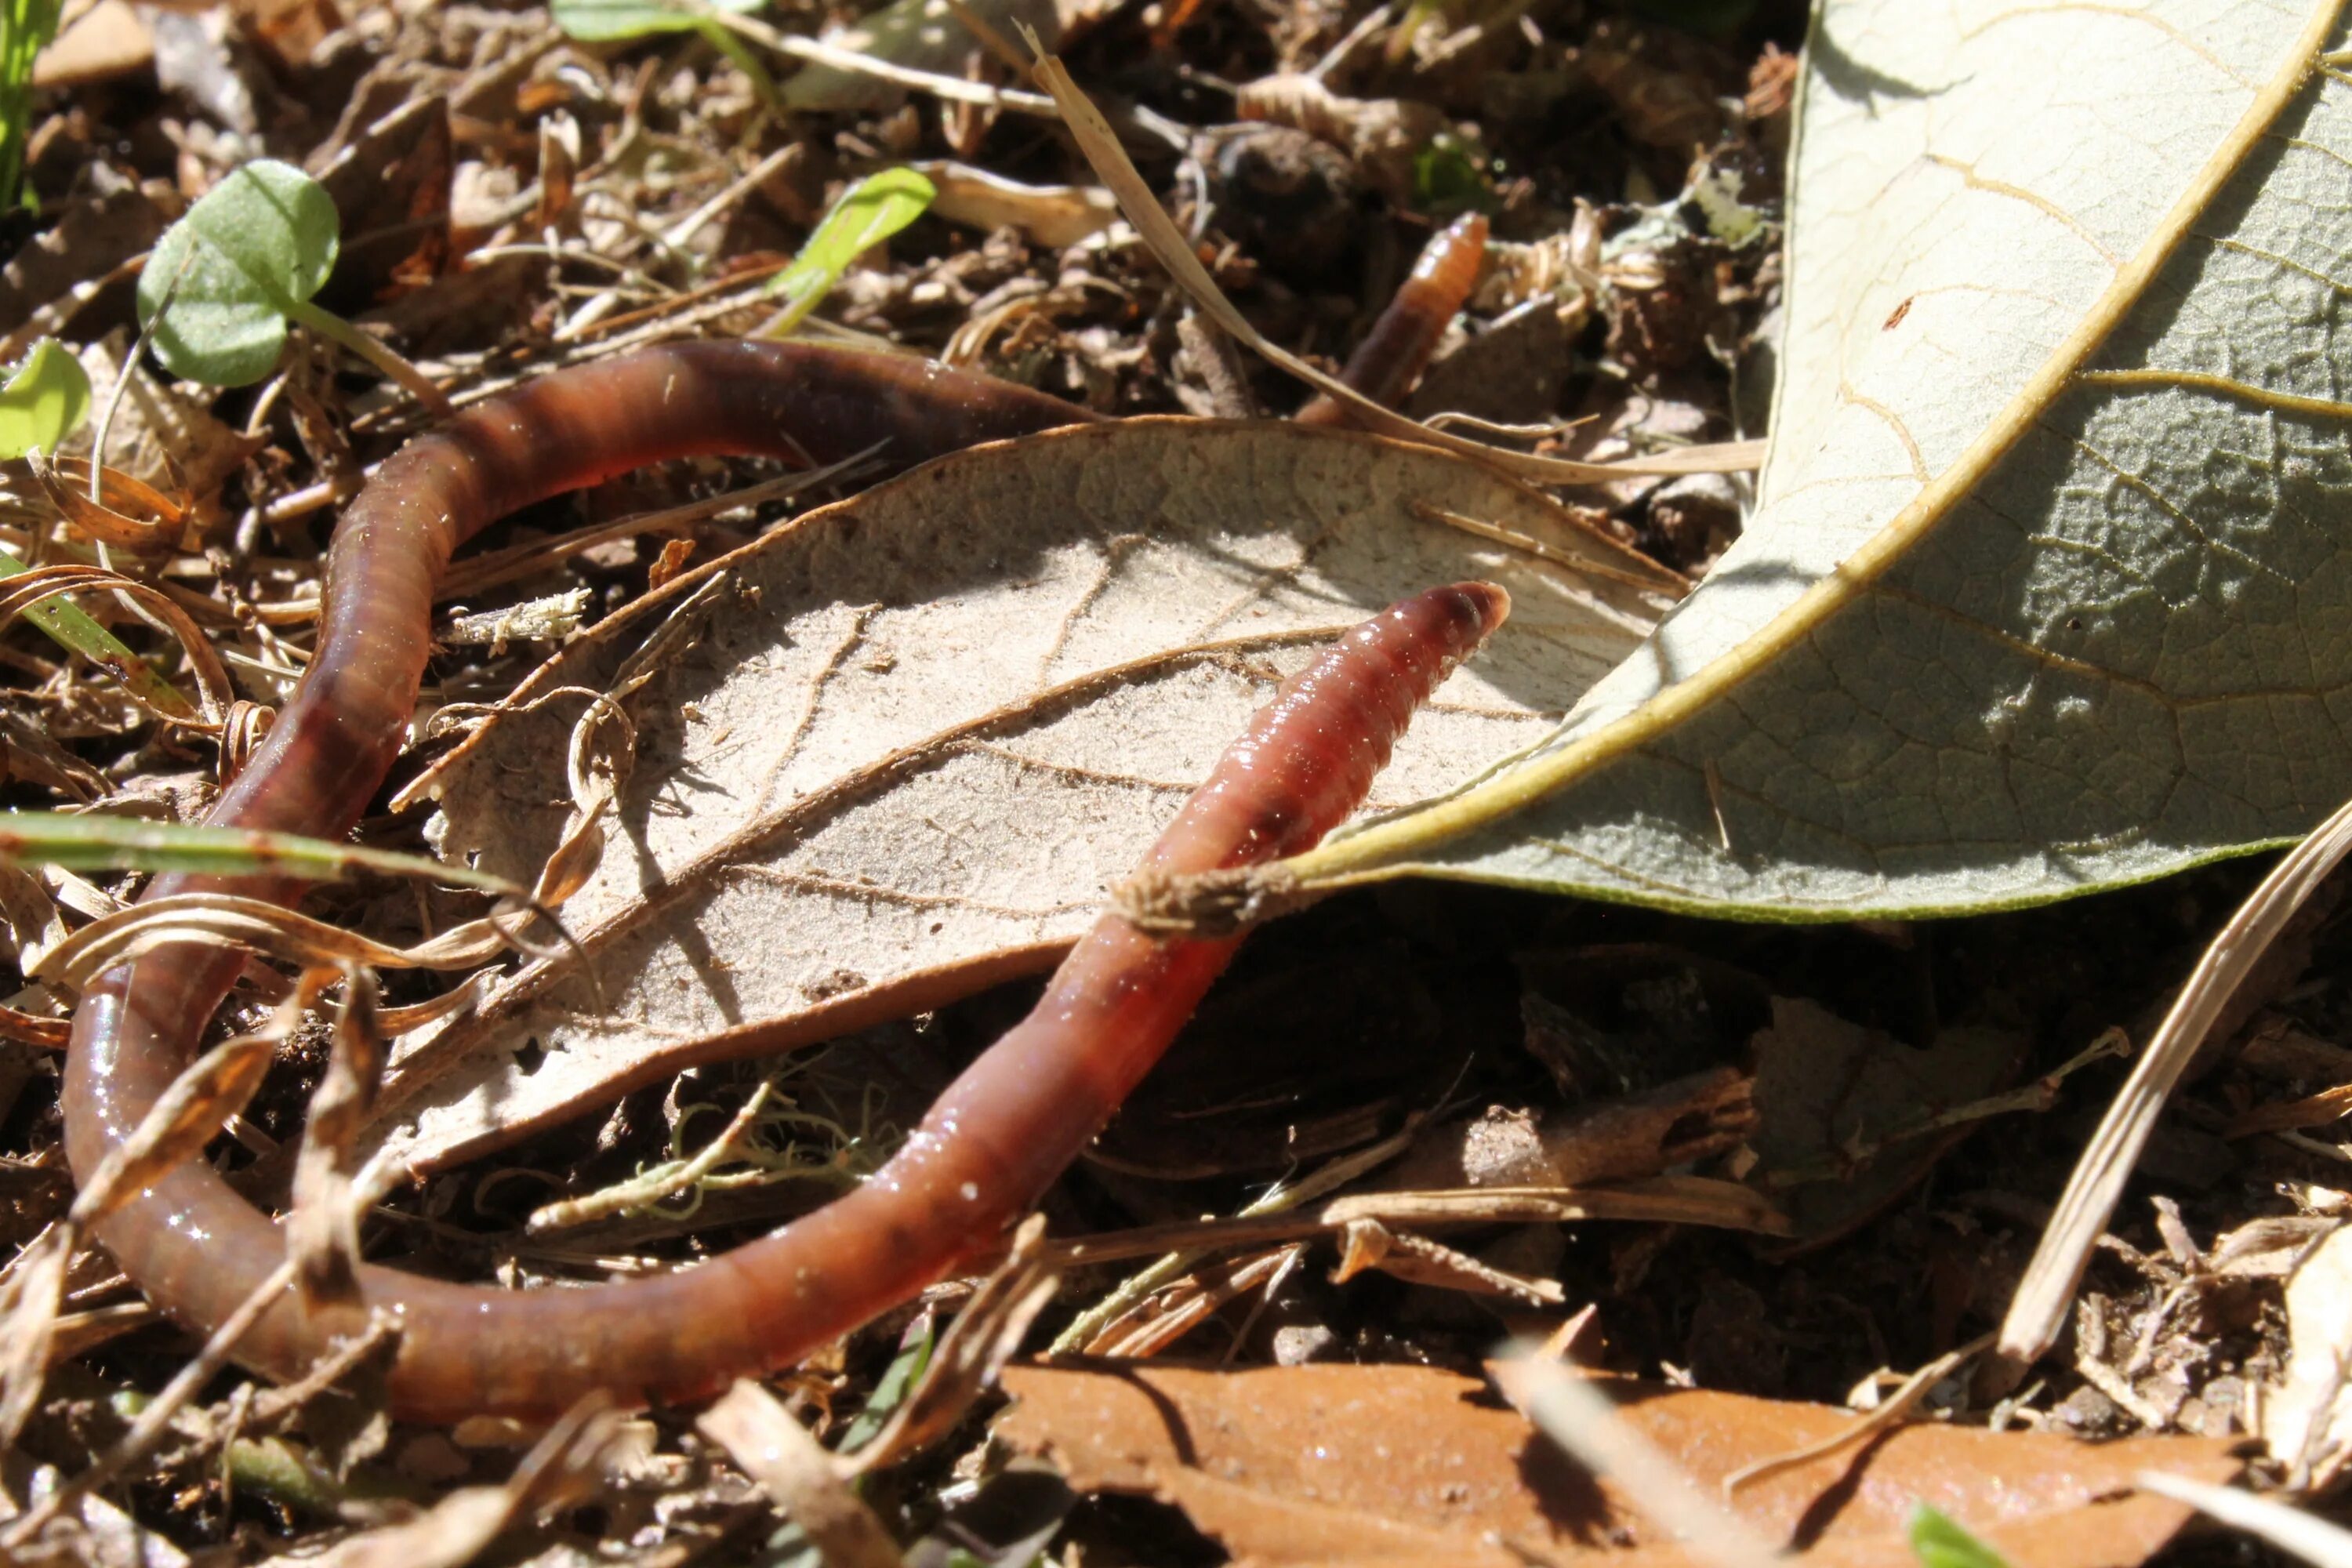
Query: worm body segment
{"points": [[996, 1139]]}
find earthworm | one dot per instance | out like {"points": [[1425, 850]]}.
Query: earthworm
{"points": [[1401, 342], [996, 1139]]}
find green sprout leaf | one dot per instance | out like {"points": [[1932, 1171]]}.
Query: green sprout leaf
{"points": [[1937, 1542], [94, 842], [44, 400], [244, 259], [874, 208], [614, 21]]}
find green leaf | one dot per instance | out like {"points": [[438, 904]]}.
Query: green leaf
{"points": [[45, 400], [95, 843], [874, 209], [2049, 585], [612, 21], [251, 251], [890, 1390], [1937, 1542]]}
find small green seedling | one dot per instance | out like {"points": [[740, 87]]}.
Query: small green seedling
{"points": [[25, 28], [244, 261], [874, 209], [1937, 1542], [619, 21], [95, 843], [44, 400]]}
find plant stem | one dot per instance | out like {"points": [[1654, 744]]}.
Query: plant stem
{"points": [[327, 324]]}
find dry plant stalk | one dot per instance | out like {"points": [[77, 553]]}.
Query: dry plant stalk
{"points": [[1100, 144], [2038, 1311]]}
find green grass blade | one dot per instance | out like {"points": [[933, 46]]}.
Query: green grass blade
{"points": [[74, 630], [96, 843]]}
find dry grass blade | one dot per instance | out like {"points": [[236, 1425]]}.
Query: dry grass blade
{"points": [[2038, 1311], [1585, 1424], [322, 1234], [27, 589], [212, 1088], [1167, 243], [1089, 1324], [155, 1420], [494, 567], [233, 921], [792, 1468], [986, 1332], [1671, 1200], [1898, 1405], [97, 504], [560, 1467], [106, 518], [2313, 1539], [208, 1091]]}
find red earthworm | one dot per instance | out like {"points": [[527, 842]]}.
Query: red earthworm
{"points": [[998, 1137], [1400, 343]]}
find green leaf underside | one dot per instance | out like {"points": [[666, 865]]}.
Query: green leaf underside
{"points": [[253, 248], [2060, 389], [43, 401], [874, 209], [95, 843], [612, 21]]}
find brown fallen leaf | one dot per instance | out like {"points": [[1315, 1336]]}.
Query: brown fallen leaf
{"points": [[1405, 1465], [896, 751], [1829, 1094]]}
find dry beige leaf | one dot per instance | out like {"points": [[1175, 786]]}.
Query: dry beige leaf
{"points": [[2308, 1423], [896, 751], [1054, 215], [95, 43]]}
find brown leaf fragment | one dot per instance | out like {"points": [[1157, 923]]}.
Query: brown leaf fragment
{"points": [[1332, 1463], [1831, 1093], [391, 189]]}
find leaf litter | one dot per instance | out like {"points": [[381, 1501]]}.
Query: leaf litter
{"points": [[642, 175]]}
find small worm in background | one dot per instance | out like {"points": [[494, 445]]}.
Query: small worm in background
{"points": [[1003, 1131], [1395, 351]]}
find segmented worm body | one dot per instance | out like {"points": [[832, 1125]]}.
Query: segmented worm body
{"points": [[1002, 1132], [1399, 345]]}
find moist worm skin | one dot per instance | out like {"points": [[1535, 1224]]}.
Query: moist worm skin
{"points": [[1003, 1131], [1407, 332]]}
